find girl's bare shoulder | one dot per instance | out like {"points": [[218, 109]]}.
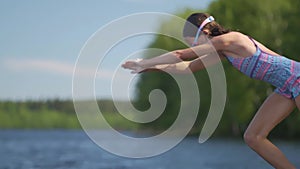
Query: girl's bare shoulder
{"points": [[225, 41]]}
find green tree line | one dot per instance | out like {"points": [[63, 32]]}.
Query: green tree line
{"points": [[272, 22], [54, 114], [37, 114]]}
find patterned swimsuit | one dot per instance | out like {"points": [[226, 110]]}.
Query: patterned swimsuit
{"points": [[281, 72]]}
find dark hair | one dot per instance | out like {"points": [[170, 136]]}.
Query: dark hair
{"points": [[194, 21]]}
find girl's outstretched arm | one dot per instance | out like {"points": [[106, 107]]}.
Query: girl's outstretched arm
{"points": [[172, 57], [190, 66], [182, 67], [142, 64], [167, 58]]}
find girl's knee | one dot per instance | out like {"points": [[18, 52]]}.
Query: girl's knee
{"points": [[253, 139]]}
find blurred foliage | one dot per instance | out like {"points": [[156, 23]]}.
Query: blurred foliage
{"points": [[54, 114], [38, 114], [272, 22]]}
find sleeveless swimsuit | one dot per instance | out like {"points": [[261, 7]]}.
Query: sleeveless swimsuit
{"points": [[279, 71]]}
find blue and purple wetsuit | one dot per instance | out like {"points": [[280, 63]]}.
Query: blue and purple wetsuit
{"points": [[281, 72]]}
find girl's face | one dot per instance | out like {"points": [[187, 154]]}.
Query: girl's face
{"points": [[202, 38], [189, 40]]}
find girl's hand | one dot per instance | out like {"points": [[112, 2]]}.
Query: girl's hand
{"points": [[134, 65]]}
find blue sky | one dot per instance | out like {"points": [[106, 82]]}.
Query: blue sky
{"points": [[40, 41]]}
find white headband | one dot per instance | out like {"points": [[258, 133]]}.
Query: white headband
{"points": [[205, 22]]}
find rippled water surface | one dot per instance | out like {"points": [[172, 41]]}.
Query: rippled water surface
{"points": [[64, 149]]}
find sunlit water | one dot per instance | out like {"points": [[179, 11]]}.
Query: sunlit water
{"points": [[63, 149]]}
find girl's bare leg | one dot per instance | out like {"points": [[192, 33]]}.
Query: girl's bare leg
{"points": [[273, 111], [297, 101]]}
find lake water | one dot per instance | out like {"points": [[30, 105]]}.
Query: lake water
{"points": [[64, 149]]}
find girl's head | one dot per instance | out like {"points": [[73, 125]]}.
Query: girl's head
{"points": [[208, 26]]}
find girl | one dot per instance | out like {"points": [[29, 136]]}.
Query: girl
{"points": [[251, 58]]}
